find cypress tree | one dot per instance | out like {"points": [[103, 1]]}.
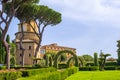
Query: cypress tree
{"points": [[118, 51], [95, 59], [2, 52]]}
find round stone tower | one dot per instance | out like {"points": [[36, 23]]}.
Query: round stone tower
{"points": [[29, 43]]}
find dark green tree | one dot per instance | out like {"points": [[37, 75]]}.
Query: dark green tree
{"points": [[7, 12], [118, 52], [12, 56], [87, 57], [43, 17], [96, 59], [2, 52], [102, 60], [81, 61]]}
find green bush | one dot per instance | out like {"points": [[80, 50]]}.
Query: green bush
{"points": [[10, 75], [64, 74], [62, 66], [56, 75], [110, 68], [111, 64], [118, 67], [91, 68], [84, 69], [90, 64], [2, 67], [36, 71], [72, 70]]}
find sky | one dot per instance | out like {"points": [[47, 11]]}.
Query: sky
{"points": [[87, 25]]}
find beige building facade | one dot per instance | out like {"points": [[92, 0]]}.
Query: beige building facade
{"points": [[29, 43], [54, 48]]}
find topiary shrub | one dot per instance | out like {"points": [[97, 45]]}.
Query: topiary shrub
{"points": [[96, 59], [26, 73], [110, 68], [91, 68], [111, 64], [65, 51], [90, 64], [2, 67], [63, 66], [10, 75]]}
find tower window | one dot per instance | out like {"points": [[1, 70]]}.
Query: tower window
{"points": [[29, 47], [20, 54], [20, 62], [29, 55]]}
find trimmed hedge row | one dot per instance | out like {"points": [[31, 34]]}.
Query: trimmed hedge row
{"points": [[106, 64], [57, 75], [10, 75], [62, 66], [91, 68], [111, 64], [2, 67], [96, 68], [31, 72]]}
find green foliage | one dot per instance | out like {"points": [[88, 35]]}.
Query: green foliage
{"points": [[2, 67], [95, 59], [91, 68], [9, 75], [110, 68], [72, 70], [118, 51], [103, 60], [65, 51], [70, 61], [57, 75], [111, 64], [63, 66], [12, 61], [90, 63], [2, 52], [26, 73], [49, 60], [82, 61], [87, 57]]}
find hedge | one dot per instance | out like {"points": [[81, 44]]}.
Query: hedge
{"points": [[57, 75], [91, 68], [111, 64], [31, 72], [90, 64], [63, 66], [10, 75], [110, 68], [2, 67]]}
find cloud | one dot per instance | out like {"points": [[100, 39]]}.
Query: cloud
{"points": [[89, 11]]}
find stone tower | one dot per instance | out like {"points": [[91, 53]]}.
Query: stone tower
{"points": [[29, 43]]}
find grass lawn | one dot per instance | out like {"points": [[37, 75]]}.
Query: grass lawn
{"points": [[95, 75]]}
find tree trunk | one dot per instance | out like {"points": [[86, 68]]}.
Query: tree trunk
{"points": [[21, 46], [7, 48]]}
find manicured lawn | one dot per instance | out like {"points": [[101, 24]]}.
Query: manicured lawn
{"points": [[95, 75]]}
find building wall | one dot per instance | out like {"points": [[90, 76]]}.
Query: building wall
{"points": [[29, 53], [54, 48]]}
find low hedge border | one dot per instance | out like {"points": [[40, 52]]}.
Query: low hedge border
{"points": [[30, 72], [91, 68], [57, 75], [10, 75]]}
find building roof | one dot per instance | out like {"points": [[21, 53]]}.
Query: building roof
{"points": [[56, 45]]}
